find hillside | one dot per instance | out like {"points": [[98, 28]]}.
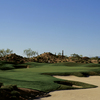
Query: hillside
{"points": [[47, 57]]}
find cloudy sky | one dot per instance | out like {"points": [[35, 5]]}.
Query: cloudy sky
{"points": [[50, 26]]}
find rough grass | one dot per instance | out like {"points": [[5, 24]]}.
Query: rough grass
{"points": [[92, 65], [6, 66], [33, 77]]}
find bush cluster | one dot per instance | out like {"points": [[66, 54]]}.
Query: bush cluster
{"points": [[9, 92], [6, 66]]}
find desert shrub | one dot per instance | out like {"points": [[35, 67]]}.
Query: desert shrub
{"points": [[95, 58], [79, 74], [6, 67], [57, 56], [85, 58], [81, 61], [71, 64], [93, 73], [20, 66], [85, 74], [0, 62], [98, 62], [89, 62], [13, 98], [21, 62], [76, 61], [85, 62], [15, 93], [1, 84], [9, 87], [3, 61]]}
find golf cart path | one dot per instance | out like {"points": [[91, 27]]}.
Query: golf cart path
{"points": [[80, 94]]}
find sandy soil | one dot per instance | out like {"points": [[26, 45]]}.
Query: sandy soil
{"points": [[80, 94]]}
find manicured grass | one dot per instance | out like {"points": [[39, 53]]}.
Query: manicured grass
{"points": [[33, 77]]}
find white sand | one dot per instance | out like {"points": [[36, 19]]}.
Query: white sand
{"points": [[80, 94]]}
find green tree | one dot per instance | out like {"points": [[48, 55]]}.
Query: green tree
{"points": [[75, 55], [29, 52], [5, 52], [81, 55], [59, 53]]}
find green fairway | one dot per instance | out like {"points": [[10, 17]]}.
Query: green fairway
{"points": [[33, 78]]}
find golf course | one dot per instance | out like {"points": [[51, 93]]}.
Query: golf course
{"points": [[39, 76]]}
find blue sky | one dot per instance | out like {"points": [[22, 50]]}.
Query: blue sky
{"points": [[50, 26]]}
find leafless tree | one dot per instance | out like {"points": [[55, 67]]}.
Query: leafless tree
{"points": [[29, 52], [5, 52]]}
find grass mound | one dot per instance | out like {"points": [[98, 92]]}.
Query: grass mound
{"points": [[66, 64], [6, 66], [92, 65], [70, 85], [33, 64], [72, 64]]}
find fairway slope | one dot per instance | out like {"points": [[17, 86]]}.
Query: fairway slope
{"points": [[39, 76]]}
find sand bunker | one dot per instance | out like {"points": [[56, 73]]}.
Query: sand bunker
{"points": [[80, 94]]}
